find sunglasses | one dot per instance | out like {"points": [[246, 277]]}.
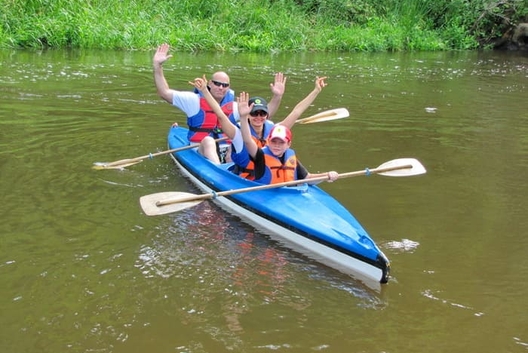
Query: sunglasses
{"points": [[218, 83], [258, 113]]}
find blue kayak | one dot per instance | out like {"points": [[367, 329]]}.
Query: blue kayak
{"points": [[303, 217]]}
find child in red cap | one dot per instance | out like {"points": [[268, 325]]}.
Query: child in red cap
{"points": [[276, 162]]}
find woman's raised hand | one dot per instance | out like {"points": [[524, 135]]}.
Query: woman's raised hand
{"points": [[320, 83]]}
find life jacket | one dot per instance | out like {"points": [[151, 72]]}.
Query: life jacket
{"points": [[247, 171], [205, 122], [266, 128], [276, 171]]}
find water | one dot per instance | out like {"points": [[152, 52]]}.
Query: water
{"points": [[83, 269]]}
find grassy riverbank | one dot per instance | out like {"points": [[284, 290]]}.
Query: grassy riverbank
{"points": [[257, 25]]}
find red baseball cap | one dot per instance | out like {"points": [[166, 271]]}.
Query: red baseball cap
{"points": [[280, 132]]}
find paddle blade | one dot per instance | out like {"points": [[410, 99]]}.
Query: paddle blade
{"points": [[329, 115], [176, 202], [402, 167], [113, 165]]}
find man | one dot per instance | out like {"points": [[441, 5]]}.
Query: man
{"points": [[201, 120]]}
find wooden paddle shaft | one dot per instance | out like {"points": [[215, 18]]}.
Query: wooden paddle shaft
{"points": [[214, 195], [138, 159]]}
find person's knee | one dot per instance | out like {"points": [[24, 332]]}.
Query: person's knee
{"points": [[207, 146], [208, 142], [208, 149]]}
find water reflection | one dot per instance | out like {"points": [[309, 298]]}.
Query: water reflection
{"points": [[225, 275]]}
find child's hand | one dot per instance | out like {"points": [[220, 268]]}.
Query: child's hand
{"points": [[199, 83], [243, 107], [332, 176]]}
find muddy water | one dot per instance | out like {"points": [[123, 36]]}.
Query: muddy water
{"points": [[84, 270]]}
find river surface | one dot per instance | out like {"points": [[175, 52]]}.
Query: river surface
{"points": [[84, 270]]}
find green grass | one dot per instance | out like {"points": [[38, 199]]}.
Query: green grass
{"points": [[253, 25]]}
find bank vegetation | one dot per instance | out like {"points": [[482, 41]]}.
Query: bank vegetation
{"points": [[260, 25]]}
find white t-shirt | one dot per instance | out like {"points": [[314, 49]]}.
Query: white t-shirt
{"points": [[189, 103]]}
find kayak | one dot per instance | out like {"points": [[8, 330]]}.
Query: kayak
{"points": [[303, 217]]}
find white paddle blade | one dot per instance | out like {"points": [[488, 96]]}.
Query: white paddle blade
{"points": [[329, 115], [149, 203], [402, 167]]}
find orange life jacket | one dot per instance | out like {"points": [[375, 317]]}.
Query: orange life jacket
{"points": [[248, 171], [276, 171]]}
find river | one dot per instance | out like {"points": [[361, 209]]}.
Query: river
{"points": [[84, 270]]}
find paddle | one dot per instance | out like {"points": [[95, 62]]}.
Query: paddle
{"points": [[328, 115], [168, 202], [128, 162]]}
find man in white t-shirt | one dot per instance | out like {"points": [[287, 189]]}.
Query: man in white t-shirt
{"points": [[203, 124]]}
